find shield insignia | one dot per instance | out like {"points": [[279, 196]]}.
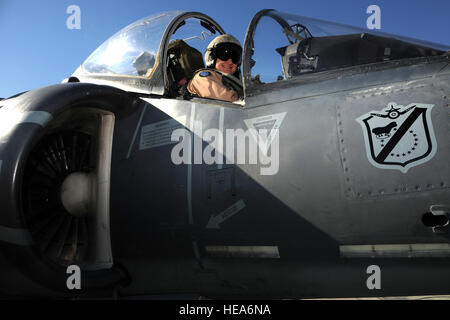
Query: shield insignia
{"points": [[399, 137]]}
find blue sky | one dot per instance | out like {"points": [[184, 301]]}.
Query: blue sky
{"points": [[39, 50]]}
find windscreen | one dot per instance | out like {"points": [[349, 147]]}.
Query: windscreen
{"points": [[132, 51]]}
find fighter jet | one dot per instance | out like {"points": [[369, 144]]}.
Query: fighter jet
{"points": [[330, 178]]}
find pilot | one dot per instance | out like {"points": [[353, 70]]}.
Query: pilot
{"points": [[220, 80]]}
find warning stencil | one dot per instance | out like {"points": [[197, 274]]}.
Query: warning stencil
{"points": [[159, 133]]}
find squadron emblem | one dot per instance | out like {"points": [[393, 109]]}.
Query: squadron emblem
{"points": [[399, 137]]}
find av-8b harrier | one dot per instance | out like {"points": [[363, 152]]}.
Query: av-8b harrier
{"points": [[329, 179]]}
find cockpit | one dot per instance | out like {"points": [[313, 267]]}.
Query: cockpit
{"points": [[305, 45], [157, 55]]}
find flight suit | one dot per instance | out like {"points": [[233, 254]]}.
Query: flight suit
{"points": [[208, 83]]}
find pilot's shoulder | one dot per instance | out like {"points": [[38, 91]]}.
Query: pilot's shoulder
{"points": [[206, 73]]}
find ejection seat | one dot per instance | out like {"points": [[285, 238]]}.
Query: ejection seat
{"points": [[183, 61]]}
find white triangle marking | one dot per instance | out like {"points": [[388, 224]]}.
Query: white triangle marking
{"points": [[253, 123]]}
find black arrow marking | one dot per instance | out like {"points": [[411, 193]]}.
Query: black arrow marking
{"points": [[399, 134]]}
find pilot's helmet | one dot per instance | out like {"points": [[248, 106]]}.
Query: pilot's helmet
{"points": [[223, 47]]}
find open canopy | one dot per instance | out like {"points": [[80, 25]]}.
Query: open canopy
{"points": [[302, 46]]}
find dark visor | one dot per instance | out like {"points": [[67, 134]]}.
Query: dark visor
{"points": [[225, 51]]}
